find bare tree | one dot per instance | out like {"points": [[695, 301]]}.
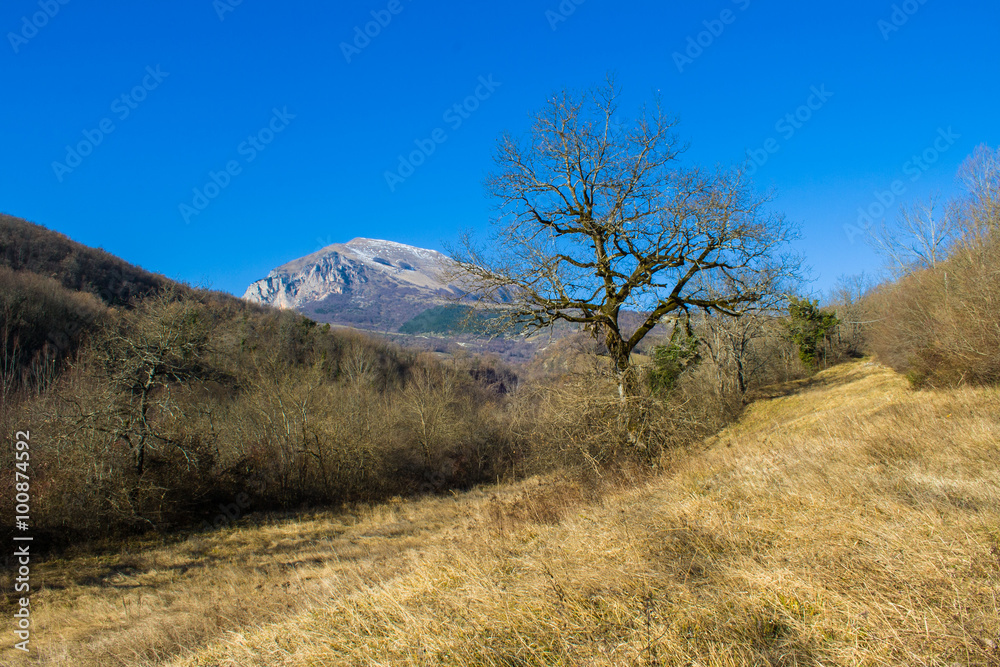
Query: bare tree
{"points": [[849, 299], [921, 237], [926, 234], [142, 355], [734, 343], [597, 216], [730, 342], [978, 213]]}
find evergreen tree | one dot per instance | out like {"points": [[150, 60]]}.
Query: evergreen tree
{"points": [[809, 327]]}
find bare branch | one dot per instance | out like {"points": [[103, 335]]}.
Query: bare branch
{"points": [[597, 215]]}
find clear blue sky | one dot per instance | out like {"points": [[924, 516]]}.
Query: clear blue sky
{"points": [[321, 179]]}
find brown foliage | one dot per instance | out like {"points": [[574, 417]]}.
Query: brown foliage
{"points": [[941, 322], [942, 326], [180, 403], [25, 246]]}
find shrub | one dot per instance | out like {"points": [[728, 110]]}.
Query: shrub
{"points": [[940, 322], [671, 360], [941, 326], [809, 328]]}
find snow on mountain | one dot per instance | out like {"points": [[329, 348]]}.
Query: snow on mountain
{"points": [[367, 283]]}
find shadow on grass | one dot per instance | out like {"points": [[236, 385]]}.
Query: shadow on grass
{"points": [[835, 376]]}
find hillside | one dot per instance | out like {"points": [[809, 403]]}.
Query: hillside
{"points": [[152, 401], [843, 520], [55, 291], [26, 246]]}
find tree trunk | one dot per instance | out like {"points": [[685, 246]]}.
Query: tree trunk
{"points": [[140, 453], [625, 372], [741, 380], [628, 380], [631, 413]]}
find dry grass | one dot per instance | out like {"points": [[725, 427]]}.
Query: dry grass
{"points": [[845, 520]]}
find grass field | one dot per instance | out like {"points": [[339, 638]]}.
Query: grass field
{"points": [[844, 520]]}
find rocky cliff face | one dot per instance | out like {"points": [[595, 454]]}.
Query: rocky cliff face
{"points": [[365, 283]]}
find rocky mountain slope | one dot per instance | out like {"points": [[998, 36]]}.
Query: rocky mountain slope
{"points": [[398, 290], [365, 283]]}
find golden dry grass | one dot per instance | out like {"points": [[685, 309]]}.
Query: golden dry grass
{"points": [[845, 520]]}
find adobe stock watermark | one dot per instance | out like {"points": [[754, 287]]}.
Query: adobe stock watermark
{"points": [[788, 126], [31, 25], [223, 7], [913, 169], [229, 514], [899, 17], [562, 13], [697, 44], [22, 551], [363, 36], [322, 243], [248, 150], [454, 116], [121, 107]]}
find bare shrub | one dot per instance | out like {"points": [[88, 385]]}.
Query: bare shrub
{"points": [[574, 421], [941, 323]]}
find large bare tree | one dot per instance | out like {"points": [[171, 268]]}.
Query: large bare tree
{"points": [[921, 237], [596, 215]]}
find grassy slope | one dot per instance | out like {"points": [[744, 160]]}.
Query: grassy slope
{"points": [[847, 521]]}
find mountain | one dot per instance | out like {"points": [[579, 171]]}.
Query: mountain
{"points": [[365, 283], [401, 291]]}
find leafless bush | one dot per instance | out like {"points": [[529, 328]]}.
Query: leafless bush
{"points": [[575, 421], [941, 324], [180, 402]]}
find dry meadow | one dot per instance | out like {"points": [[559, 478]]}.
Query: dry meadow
{"points": [[843, 520]]}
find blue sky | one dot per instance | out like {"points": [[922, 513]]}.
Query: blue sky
{"points": [[262, 105]]}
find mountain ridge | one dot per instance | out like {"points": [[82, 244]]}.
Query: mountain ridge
{"points": [[372, 283]]}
